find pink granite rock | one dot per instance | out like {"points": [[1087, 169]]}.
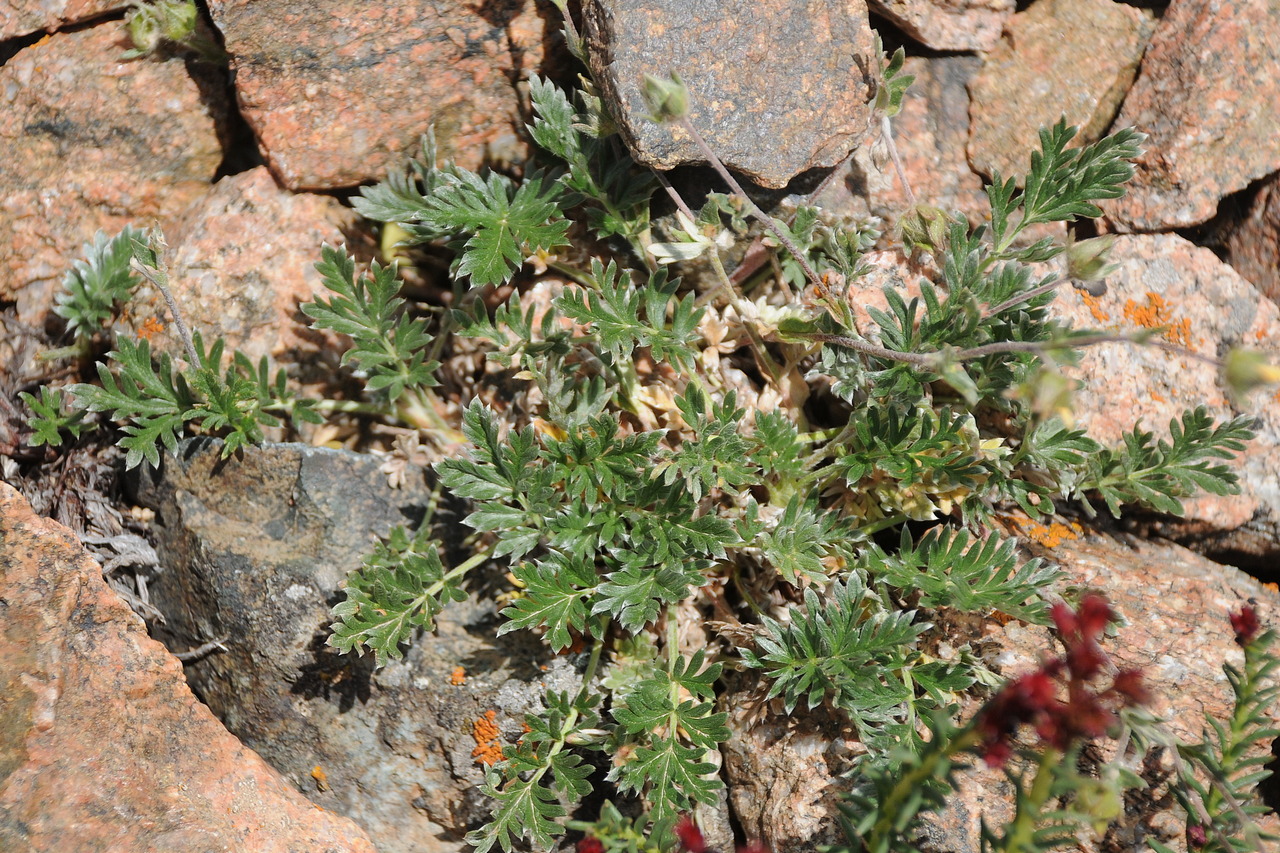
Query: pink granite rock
{"points": [[241, 259], [1208, 100], [1253, 249], [339, 94], [1072, 58], [775, 86], [103, 746], [91, 142], [1164, 280], [20, 17], [784, 774], [948, 24], [930, 135]]}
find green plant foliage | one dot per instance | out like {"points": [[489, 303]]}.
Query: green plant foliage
{"points": [[493, 223], [671, 736], [946, 569], [625, 317], [95, 286], [1233, 757], [157, 401], [616, 193], [49, 419], [388, 345], [528, 785], [400, 589], [1155, 473], [843, 649], [617, 833], [640, 450]]}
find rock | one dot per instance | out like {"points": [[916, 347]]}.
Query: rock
{"points": [[20, 17], [785, 774], [948, 24], [930, 135], [241, 259], [339, 93], [1035, 76], [92, 143], [103, 746], [1253, 249], [776, 87], [1206, 97], [1208, 308], [256, 547]]}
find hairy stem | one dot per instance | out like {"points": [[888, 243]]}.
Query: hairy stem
{"points": [[765, 219]]}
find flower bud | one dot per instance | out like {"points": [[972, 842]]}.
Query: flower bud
{"points": [[668, 100], [1089, 260]]}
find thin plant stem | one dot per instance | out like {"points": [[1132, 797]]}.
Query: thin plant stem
{"points": [[675, 196], [159, 277], [886, 133], [765, 219]]}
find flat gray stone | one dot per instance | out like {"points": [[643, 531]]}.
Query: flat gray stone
{"points": [[776, 87], [256, 547]]}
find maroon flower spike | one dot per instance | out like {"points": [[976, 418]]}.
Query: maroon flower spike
{"points": [[1245, 624], [1131, 687], [690, 836], [1196, 836], [590, 844], [1087, 711]]}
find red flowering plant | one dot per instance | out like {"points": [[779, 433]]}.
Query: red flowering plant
{"points": [[1035, 698], [1067, 701]]}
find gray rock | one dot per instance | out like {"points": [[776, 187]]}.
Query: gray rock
{"points": [[776, 87], [102, 745], [257, 547]]}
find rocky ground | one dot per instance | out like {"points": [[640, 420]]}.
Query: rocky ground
{"points": [[247, 165]]}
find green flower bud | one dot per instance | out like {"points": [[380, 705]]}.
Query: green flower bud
{"points": [[668, 100], [1244, 370], [1089, 260]]}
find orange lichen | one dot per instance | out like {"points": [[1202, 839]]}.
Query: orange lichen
{"points": [[488, 748], [1158, 398], [1095, 307], [322, 778], [1156, 313], [458, 677], [1051, 535], [150, 328]]}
